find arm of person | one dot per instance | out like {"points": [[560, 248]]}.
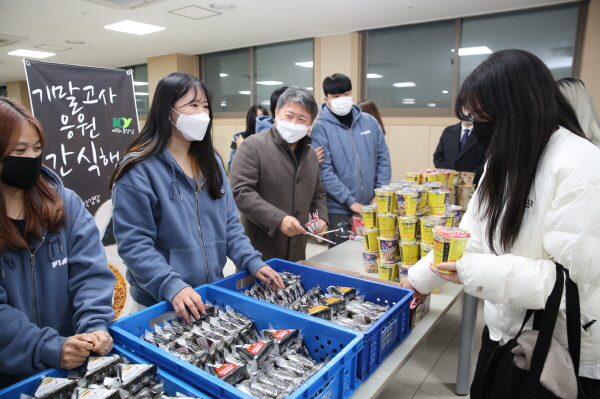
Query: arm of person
{"points": [[239, 248], [91, 282], [136, 233], [439, 160], [331, 183], [384, 165], [319, 204], [244, 175]]}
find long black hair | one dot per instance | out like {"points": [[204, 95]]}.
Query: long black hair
{"points": [[156, 133], [515, 91], [251, 119]]}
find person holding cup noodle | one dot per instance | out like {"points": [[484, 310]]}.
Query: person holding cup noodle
{"points": [[536, 203]]}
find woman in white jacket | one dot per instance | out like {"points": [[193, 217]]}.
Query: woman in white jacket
{"points": [[538, 202]]}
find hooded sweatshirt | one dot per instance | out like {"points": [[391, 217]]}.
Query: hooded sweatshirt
{"points": [[263, 122], [61, 287], [356, 162], [173, 235]]}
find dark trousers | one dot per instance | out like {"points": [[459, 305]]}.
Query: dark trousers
{"points": [[590, 386]]}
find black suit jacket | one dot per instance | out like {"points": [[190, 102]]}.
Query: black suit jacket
{"points": [[470, 158]]}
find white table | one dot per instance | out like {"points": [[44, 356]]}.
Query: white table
{"points": [[348, 255]]}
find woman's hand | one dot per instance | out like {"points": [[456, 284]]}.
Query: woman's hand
{"points": [[404, 283], [75, 350], [320, 154], [290, 226], [188, 299], [103, 342], [239, 140], [448, 266], [322, 227], [269, 276]]}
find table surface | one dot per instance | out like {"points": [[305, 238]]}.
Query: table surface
{"points": [[348, 255]]}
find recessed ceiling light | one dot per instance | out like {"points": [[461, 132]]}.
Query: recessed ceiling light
{"points": [[53, 47], [374, 76], [305, 64], [408, 101], [223, 103], [404, 84], [473, 50], [445, 91], [266, 102], [247, 92], [223, 75], [136, 28], [309, 88], [194, 12], [140, 94], [140, 83], [31, 53], [269, 83], [431, 105], [75, 41], [222, 6]]}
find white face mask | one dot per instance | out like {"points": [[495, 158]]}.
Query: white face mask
{"points": [[291, 132], [341, 106], [192, 127]]}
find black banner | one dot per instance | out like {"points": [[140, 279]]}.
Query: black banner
{"points": [[89, 117]]}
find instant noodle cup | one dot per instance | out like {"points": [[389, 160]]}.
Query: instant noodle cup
{"points": [[402, 271], [467, 177], [421, 198], [413, 176], [455, 210], [370, 261], [425, 249], [464, 202], [437, 200], [448, 218], [448, 244], [431, 177], [369, 216], [387, 225], [410, 252], [408, 200], [465, 190], [427, 225], [385, 198], [408, 227], [370, 240], [387, 270], [388, 249]]}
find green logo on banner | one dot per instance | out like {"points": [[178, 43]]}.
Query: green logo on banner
{"points": [[121, 122]]}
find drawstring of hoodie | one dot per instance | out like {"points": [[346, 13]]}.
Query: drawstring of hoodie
{"points": [[174, 185]]}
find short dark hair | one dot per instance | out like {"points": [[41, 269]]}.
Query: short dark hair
{"points": [[275, 97], [251, 119], [338, 83]]}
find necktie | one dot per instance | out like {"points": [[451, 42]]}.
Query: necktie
{"points": [[464, 138]]}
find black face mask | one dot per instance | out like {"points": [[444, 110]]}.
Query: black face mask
{"points": [[483, 132], [21, 172]]}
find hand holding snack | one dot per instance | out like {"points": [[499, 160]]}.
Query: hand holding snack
{"points": [[188, 300], [103, 342], [447, 271], [290, 226], [75, 350], [269, 276]]}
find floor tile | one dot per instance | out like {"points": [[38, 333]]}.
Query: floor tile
{"points": [[395, 390], [441, 381], [446, 328], [424, 395], [416, 369]]}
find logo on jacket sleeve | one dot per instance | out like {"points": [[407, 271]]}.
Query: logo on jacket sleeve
{"points": [[365, 132], [59, 262]]}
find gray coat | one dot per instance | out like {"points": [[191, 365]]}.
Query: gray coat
{"points": [[268, 184]]}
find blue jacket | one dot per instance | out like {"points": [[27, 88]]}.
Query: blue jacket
{"points": [[356, 162], [263, 122], [232, 153], [172, 236], [61, 287]]}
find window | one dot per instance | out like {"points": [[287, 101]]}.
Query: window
{"points": [[548, 33], [411, 66], [227, 75], [140, 88]]}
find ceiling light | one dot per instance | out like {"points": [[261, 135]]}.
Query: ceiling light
{"points": [[408, 101], [75, 41], [222, 6], [223, 103], [269, 83], [31, 53], [373, 76], [305, 64], [140, 94], [53, 47], [431, 105], [194, 12], [473, 50], [445, 91], [404, 84], [223, 75], [137, 28], [140, 83], [309, 88], [266, 102], [247, 92]]}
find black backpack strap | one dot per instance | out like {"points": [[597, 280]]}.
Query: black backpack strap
{"points": [[573, 319]]}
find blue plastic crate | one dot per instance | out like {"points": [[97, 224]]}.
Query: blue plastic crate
{"points": [[171, 384], [381, 338], [336, 380]]}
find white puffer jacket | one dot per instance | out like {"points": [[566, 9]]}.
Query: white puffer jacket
{"points": [[561, 223]]}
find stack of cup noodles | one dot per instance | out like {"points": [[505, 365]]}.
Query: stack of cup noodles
{"points": [[398, 229]]}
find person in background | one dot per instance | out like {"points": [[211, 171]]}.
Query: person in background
{"points": [[56, 288], [369, 107], [254, 112], [175, 220], [583, 104], [536, 204], [357, 159], [458, 149], [265, 122], [276, 180]]}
